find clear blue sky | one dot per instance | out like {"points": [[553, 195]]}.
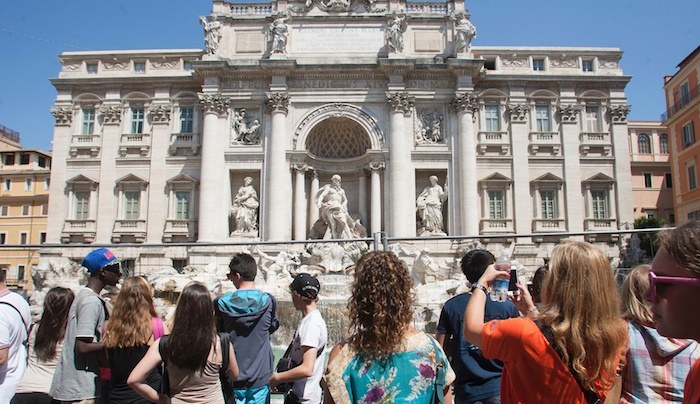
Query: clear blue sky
{"points": [[654, 35]]}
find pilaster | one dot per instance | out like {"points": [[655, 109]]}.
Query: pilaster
{"points": [[401, 174], [106, 199], [623, 176], [570, 139], [278, 209], [466, 105], [156, 215]]}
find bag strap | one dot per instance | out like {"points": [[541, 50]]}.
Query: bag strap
{"points": [[225, 340], [438, 394], [27, 327], [162, 350], [158, 329], [590, 395]]}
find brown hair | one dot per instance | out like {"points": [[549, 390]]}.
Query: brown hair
{"points": [[683, 245], [380, 307], [52, 327], [130, 323], [580, 303], [634, 306]]}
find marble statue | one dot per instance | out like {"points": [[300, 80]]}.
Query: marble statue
{"points": [[280, 268], [429, 209], [278, 34], [212, 34], [245, 209], [333, 212], [465, 32], [430, 128], [394, 33], [243, 130]]}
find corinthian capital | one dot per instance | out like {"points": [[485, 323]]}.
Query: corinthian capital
{"points": [[518, 112], [467, 102], [278, 101], [111, 115], [569, 113], [214, 103], [400, 101], [377, 166], [618, 113], [160, 113], [63, 115]]}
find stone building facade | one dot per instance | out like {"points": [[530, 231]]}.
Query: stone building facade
{"points": [[154, 146]]}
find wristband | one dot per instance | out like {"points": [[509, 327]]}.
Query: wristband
{"points": [[479, 286]]}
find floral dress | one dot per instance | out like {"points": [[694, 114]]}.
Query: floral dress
{"points": [[413, 373]]}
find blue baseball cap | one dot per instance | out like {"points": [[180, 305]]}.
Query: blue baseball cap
{"points": [[98, 259]]}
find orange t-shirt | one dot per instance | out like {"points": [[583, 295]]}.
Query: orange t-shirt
{"points": [[532, 371], [691, 391]]}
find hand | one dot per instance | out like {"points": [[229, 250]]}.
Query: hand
{"points": [[273, 381], [523, 301], [492, 273]]}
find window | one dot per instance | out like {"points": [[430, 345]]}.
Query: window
{"points": [[668, 180], [587, 65], [538, 65], [600, 204], [643, 144], [41, 161], [8, 184], [9, 159], [42, 237], [4, 210], [182, 205], [179, 264], [20, 272], [685, 94], [47, 183], [45, 209], [81, 208], [24, 159], [593, 119], [23, 238], [492, 121], [688, 134], [88, 121], [548, 201], [91, 68], [647, 180], [663, 144], [497, 205], [187, 66], [27, 184], [186, 119], [139, 67], [692, 180], [3, 238], [25, 210], [128, 267], [131, 204], [137, 115], [694, 215], [543, 118]]}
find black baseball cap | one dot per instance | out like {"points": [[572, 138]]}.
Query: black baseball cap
{"points": [[306, 285]]}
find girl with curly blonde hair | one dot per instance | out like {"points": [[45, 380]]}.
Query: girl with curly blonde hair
{"points": [[132, 328], [571, 351], [385, 358]]}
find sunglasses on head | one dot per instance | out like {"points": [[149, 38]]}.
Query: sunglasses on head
{"points": [[655, 279]]}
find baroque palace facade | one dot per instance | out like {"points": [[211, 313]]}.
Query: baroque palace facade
{"points": [[154, 146]]}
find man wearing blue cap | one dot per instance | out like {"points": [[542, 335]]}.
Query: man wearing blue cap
{"points": [[78, 372]]}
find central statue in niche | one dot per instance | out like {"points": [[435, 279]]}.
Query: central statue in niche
{"points": [[334, 220]]}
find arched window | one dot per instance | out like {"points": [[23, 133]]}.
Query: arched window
{"points": [[644, 144], [663, 143]]}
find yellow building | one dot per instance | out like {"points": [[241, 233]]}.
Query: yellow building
{"points": [[24, 200]]}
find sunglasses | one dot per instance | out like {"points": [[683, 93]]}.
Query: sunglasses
{"points": [[655, 279]]}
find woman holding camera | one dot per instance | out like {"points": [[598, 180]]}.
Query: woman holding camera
{"points": [[572, 348]]}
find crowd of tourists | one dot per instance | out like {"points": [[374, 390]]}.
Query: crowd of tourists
{"points": [[572, 336]]}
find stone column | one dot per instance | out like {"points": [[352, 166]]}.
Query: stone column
{"points": [[59, 206], [160, 140], [466, 105], [362, 198], [212, 215], [623, 177], [277, 212], [313, 190], [299, 201], [401, 174], [376, 197], [522, 202], [105, 210], [570, 133]]}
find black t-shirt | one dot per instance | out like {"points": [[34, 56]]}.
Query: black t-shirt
{"points": [[478, 378], [122, 361]]}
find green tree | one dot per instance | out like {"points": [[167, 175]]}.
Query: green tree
{"points": [[648, 241]]}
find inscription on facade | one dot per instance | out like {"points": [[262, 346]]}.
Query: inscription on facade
{"points": [[336, 83], [338, 39], [250, 42]]}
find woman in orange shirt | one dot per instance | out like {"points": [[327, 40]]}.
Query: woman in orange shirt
{"points": [[570, 349]]}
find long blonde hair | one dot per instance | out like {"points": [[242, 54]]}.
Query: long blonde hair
{"points": [[130, 323], [634, 306], [580, 303]]}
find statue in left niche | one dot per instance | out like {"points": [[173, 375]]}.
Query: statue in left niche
{"points": [[279, 31], [244, 210], [244, 131], [212, 33]]}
